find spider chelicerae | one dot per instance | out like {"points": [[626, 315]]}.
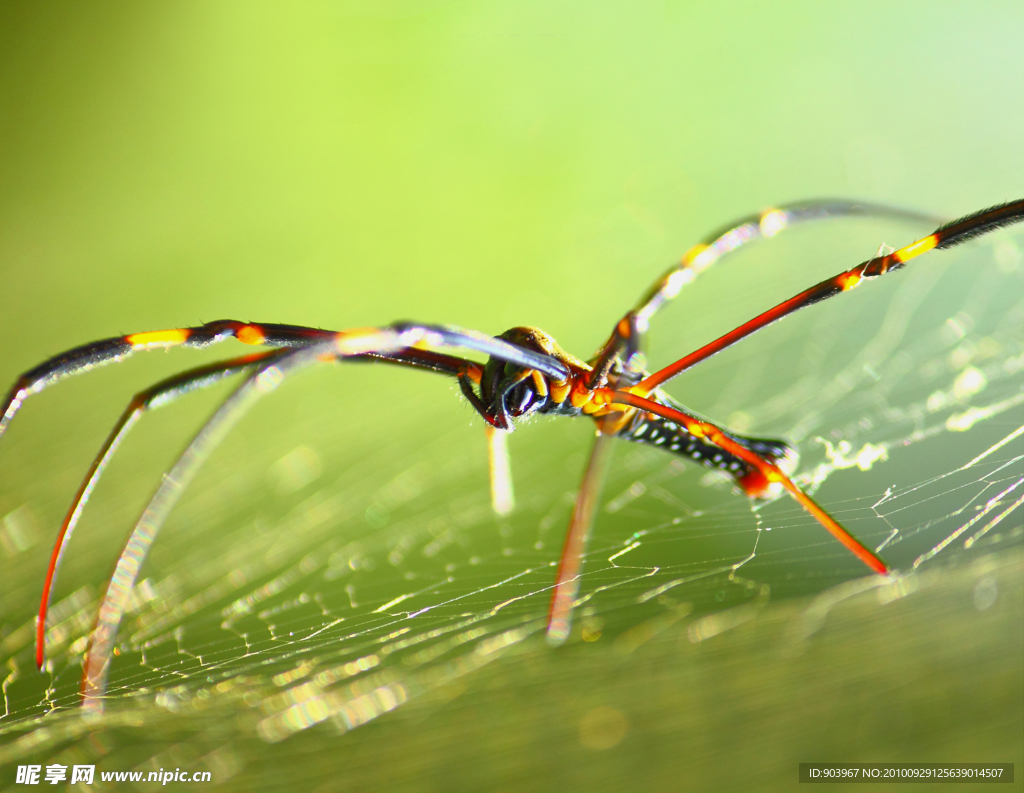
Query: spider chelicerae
{"points": [[526, 373]]}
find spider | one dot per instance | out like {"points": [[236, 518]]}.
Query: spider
{"points": [[525, 373]]}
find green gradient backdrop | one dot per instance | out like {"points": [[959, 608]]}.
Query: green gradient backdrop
{"points": [[485, 164]]}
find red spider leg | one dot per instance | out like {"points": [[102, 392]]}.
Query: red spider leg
{"points": [[385, 344], [344, 343], [82, 359], [629, 332], [627, 337], [944, 237], [108, 620], [156, 396], [772, 473], [167, 391], [567, 580]]}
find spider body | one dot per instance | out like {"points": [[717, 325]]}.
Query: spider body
{"points": [[508, 392], [526, 373]]}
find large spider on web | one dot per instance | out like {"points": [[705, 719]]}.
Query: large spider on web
{"points": [[526, 373]]}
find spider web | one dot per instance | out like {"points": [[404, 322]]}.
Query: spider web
{"points": [[322, 573]]}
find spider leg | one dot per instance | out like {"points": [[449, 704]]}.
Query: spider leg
{"points": [[169, 390], [387, 344], [627, 335], [944, 237], [771, 472], [392, 343], [101, 643], [567, 580], [156, 396], [408, 334], [502, 495], [84, 358], [452, 336], [753, 227], [419, 359]]}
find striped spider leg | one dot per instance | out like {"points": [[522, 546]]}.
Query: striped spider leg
{"points": [[613, 370], [294, 347], [388, 345], [622, 358]]}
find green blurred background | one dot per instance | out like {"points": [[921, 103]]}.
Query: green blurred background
{"points": [[485, 164]]}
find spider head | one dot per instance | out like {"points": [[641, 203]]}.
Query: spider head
{"points": [[509, 391]]}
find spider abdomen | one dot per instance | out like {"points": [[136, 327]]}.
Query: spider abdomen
{"points": [[664, 434]]}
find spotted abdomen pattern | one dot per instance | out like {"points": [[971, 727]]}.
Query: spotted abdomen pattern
{"points": [[667, 435]]}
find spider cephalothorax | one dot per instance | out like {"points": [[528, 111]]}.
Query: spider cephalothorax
{"points": [[510, 391]]}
